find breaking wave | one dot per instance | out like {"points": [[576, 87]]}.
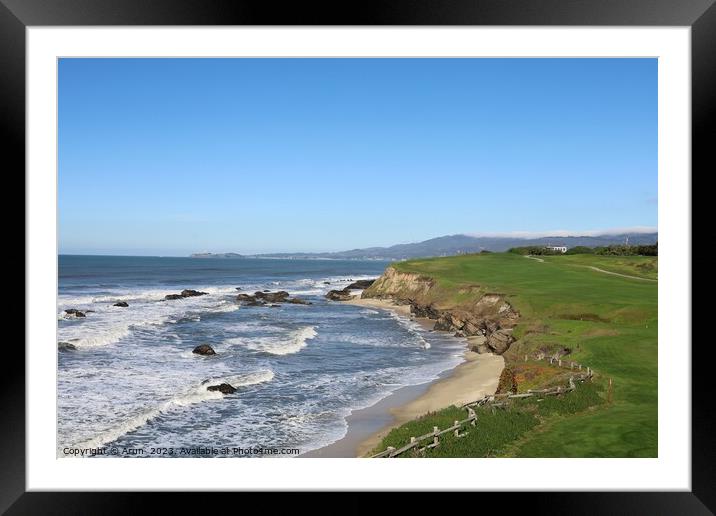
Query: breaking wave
{"points": [[196, 394], [294, 342]]}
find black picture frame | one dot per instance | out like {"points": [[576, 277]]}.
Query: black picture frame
{"points": [[700, 15]]}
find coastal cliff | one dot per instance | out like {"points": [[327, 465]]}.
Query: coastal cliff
{"points": [[466, 310]]}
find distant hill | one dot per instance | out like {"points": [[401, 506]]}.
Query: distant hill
{"points": [[462, 244], [216, 255]]}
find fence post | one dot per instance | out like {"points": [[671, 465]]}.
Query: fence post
{"points": [[580, 367], [525, 358], [560, 362], [457, 430], [391, 449], [471, 413], [436, 436]]}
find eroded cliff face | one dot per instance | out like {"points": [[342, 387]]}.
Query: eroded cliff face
{"points": [[400, 286], [475, 313]]}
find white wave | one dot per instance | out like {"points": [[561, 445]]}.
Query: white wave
{"points": [[194, 395], [294, 342], [108, 324], [310, 292], [413, 328], [99, 337], [71, 301]]}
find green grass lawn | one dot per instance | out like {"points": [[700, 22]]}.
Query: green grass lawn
{"points": [[609, 323], [640, 266]]}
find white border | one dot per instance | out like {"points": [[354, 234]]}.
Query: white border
{"points": [[671, 471]]}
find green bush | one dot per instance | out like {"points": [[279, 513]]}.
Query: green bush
{"points": [[496, 429], [535, 250], [628, 250]]}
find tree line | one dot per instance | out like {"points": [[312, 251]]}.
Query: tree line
{"points": [[609, 250]]}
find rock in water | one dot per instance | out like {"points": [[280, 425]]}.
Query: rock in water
{"points": [[187, 292], [75, 312], [204, 349], [122, 304], [297, 301], [66, 346], [272, 297], [223, 388], [192, 293]]}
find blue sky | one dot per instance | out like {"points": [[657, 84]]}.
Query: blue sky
{"points": [[173, 156]]}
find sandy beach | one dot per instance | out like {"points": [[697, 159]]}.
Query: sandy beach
{"points": [[474, 378]]}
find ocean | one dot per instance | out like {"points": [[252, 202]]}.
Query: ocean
{"points": [[133, 382]]}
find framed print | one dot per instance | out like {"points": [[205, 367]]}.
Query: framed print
{"points": [[281, 251]]}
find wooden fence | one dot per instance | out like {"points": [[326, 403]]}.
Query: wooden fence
{"points": [[461, 428]]}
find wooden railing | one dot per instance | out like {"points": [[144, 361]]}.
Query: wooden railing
{"points": [[459, 428]]}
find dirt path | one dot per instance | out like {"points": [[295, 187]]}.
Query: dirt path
{"points": [[597, 269]]}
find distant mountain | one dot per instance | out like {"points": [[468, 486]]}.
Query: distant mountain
{"points": [[216, 255], [462, 244]]}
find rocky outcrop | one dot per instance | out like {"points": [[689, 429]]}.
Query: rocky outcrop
{"points": [[185, 293], [66, 346], [478, 344], [223, 388], [204, 349], [360, 284], [122, 304], [192, 293], [74, 312], [499, 341], [272, 297], [345, 294], [268, 298], [478, 314], [427, 312], [339, 295]]}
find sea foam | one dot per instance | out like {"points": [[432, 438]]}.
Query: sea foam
{"points": [[196, 394], [293, 342]]}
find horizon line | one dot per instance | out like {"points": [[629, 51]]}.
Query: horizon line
{"points": [[522, 235]]}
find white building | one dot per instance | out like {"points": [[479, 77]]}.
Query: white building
{"points": [[561, 249]]}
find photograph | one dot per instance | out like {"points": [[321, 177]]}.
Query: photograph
{"points": [[357, 257]]}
